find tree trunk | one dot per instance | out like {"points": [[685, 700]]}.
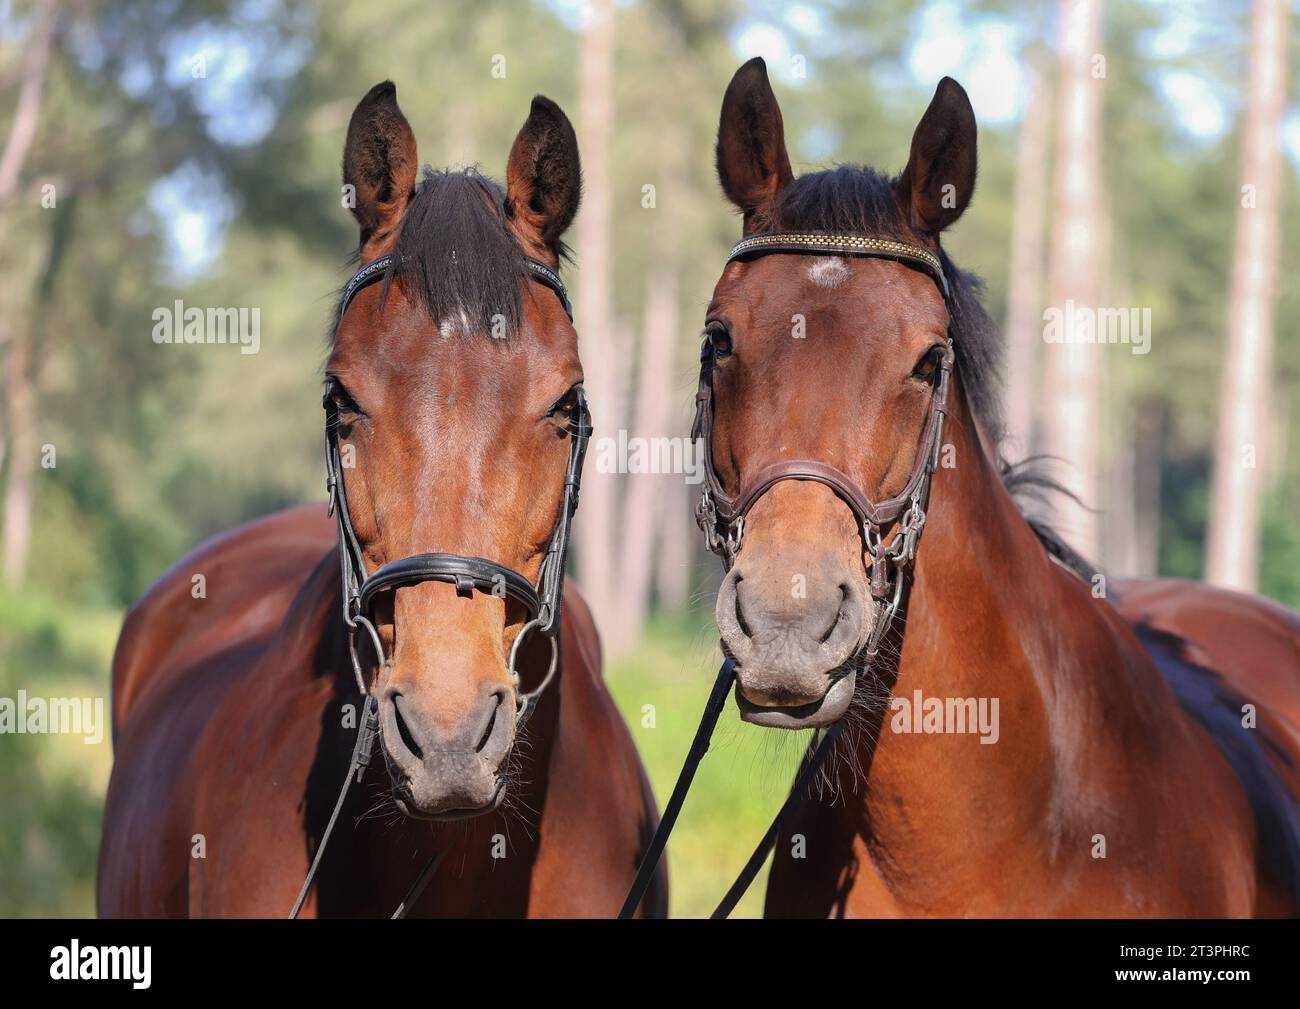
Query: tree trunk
{"points": [[676, 535], [645, 491], [27, 112], [1232, 554], [593, 526], [1025, 298], [1121, 552], [646, 494], [1073, 369], [20, 400], [1148, 441]]}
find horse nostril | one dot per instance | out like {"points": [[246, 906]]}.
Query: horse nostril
{"points": [[740, 615], [404, 731], [491, 723], [845, 593]]}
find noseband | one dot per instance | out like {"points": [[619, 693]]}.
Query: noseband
{"points": [[721, 517], [541, 604]]}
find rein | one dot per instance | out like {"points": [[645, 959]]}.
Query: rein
{"points": [[541, 603], [721, 517]]}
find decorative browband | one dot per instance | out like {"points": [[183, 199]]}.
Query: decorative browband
{"points": [[552, 280], [364, 277], [841, 245], [376, 269]]}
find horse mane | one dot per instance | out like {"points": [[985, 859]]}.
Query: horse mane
{"points": [[1217, 706], [455, 254], [858, 200]]}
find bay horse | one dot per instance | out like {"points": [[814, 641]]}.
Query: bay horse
{"points": [[1144, 754], [453, 386]]}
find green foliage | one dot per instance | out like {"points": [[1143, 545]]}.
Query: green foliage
{"points": [[1279, 569], [68, 544], [52, 785]]}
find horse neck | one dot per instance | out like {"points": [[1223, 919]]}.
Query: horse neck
{"points": [[991, 617]]}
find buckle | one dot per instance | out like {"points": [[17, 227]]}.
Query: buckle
{"points": [[706, 517]]}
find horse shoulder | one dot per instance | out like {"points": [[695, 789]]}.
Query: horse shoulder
{"points": [[238, 584]]}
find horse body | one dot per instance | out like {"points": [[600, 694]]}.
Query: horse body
{"points": [[231, 743], [1093, 746]]}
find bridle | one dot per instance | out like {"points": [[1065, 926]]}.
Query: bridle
{"points": [[361, 588], [721, 517], [467, 574]]}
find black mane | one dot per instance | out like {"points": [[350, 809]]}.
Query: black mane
{"points": [[455, 254], [1218, 706], [858, 200]]}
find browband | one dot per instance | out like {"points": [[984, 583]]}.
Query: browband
{"points": [[377, 269], [815, 244]]}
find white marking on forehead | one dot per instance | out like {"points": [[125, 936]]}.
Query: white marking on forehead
{"points": [[455, 325], [829, 271]]}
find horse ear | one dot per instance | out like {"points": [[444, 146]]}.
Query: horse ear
{"points": [[543, 178], [939, 179], [379, 162], [752, 162]]}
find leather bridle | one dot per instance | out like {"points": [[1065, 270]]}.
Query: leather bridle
{"points": [[361, 588], [721, 517], [468, 574]]}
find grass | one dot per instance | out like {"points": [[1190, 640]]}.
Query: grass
{"points": [[53, 785]]}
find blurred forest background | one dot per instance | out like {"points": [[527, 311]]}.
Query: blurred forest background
{"points": [[157, 150]]}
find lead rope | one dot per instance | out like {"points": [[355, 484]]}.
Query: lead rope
{"points": [[417, 888], [699, 747], [361, 753]]}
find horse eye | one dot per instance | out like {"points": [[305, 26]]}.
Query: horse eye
{"points": [[337, 393], [719, 338], [927, 365], [566, 406]]}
